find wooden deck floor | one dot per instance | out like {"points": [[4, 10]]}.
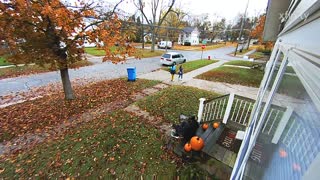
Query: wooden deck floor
{"points": [[211, 148]]}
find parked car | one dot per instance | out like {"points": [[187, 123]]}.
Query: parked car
{"points": [[187, 44], [165, 44], [170, 58]]}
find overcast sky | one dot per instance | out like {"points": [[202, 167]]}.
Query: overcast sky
{"points": [[214, 8]]}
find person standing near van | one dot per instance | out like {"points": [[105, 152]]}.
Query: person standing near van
{"points": [[172, 71], [180, 72]]}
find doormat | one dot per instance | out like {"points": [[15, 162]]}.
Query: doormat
{"points": [[228, 140]]}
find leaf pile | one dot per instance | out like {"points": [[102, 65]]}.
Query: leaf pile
{"points": [[45, 113]]}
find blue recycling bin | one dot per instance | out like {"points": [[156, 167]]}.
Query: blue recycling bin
{"points": [[131, 73]]}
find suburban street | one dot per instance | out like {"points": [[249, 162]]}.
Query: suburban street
{"points": [[106, 70]]}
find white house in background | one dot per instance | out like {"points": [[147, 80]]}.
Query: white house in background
{"points": [[189, 34], [147, 37]]}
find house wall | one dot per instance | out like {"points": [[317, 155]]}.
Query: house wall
{"points": [[276, 10], [293, 152], [192, 37]]}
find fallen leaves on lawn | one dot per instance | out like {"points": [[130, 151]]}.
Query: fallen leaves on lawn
{"points": [[43, 114], [35, 69]]}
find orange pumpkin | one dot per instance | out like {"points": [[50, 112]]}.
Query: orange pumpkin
{"points": [[216, 125], [187, 147], [205, 126], [196, 143]]}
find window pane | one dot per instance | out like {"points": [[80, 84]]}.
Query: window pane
{"points": [[288, 144], [273, 76], [166, 56]]}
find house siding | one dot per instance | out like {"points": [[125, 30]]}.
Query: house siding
{"points": [[296, 153], [192, 37]]}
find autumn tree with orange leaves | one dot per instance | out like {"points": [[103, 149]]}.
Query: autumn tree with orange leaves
{"points": [[258, 30], [49, 32]]}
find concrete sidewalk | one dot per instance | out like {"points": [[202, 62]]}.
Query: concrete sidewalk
{"points": [[190, 80]]}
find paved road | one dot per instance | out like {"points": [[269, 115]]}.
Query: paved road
{"points": [[101, 71], [220, 53]]}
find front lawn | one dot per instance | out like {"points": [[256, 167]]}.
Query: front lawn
{"points": [[114, 145], [244, 51], [141, 53], [198, 47], [175, 100], [242, 63], [95, 51], [33, 69], [46, 113], [193, 65], [145, 53], [258, 55], [233, 75], [119, 145]]}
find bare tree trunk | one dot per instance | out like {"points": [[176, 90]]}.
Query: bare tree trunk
{"points": [[66, 83], [249, 39], [153, 39]]}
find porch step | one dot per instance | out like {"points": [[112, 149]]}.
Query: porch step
{"points": [[210, 136], [224, 155]]}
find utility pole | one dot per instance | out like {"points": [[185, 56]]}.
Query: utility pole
{"points": [[142, 34], [241, 29], [167, 41], [142, 26]]}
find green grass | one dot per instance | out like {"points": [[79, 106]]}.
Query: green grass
{"points": [[94, 51], [3, 62], [145, 53], [173, 101], [258, 55], [243, 51], [241, 63], [142, 53], [193, 65], [118, 146], [233, 75]]}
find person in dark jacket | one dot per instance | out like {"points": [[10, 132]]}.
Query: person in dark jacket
{"points": [[180, 72]]}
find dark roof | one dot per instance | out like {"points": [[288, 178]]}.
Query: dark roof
{"points": [[188, 29]]}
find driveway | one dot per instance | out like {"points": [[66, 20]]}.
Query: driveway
{"points": [[100, 71]]}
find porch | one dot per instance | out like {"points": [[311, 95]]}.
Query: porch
{"points": [[232, 112]]}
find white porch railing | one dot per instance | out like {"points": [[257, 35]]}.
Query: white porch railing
{"points": [[273, 119], [237, 109], [227, 108], [241, 110], [213, 109]]}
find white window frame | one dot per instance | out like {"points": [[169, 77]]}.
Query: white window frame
{"points": [[238, 174]]}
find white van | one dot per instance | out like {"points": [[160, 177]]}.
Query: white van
{"points": [[170, 58], [165, 44]]}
